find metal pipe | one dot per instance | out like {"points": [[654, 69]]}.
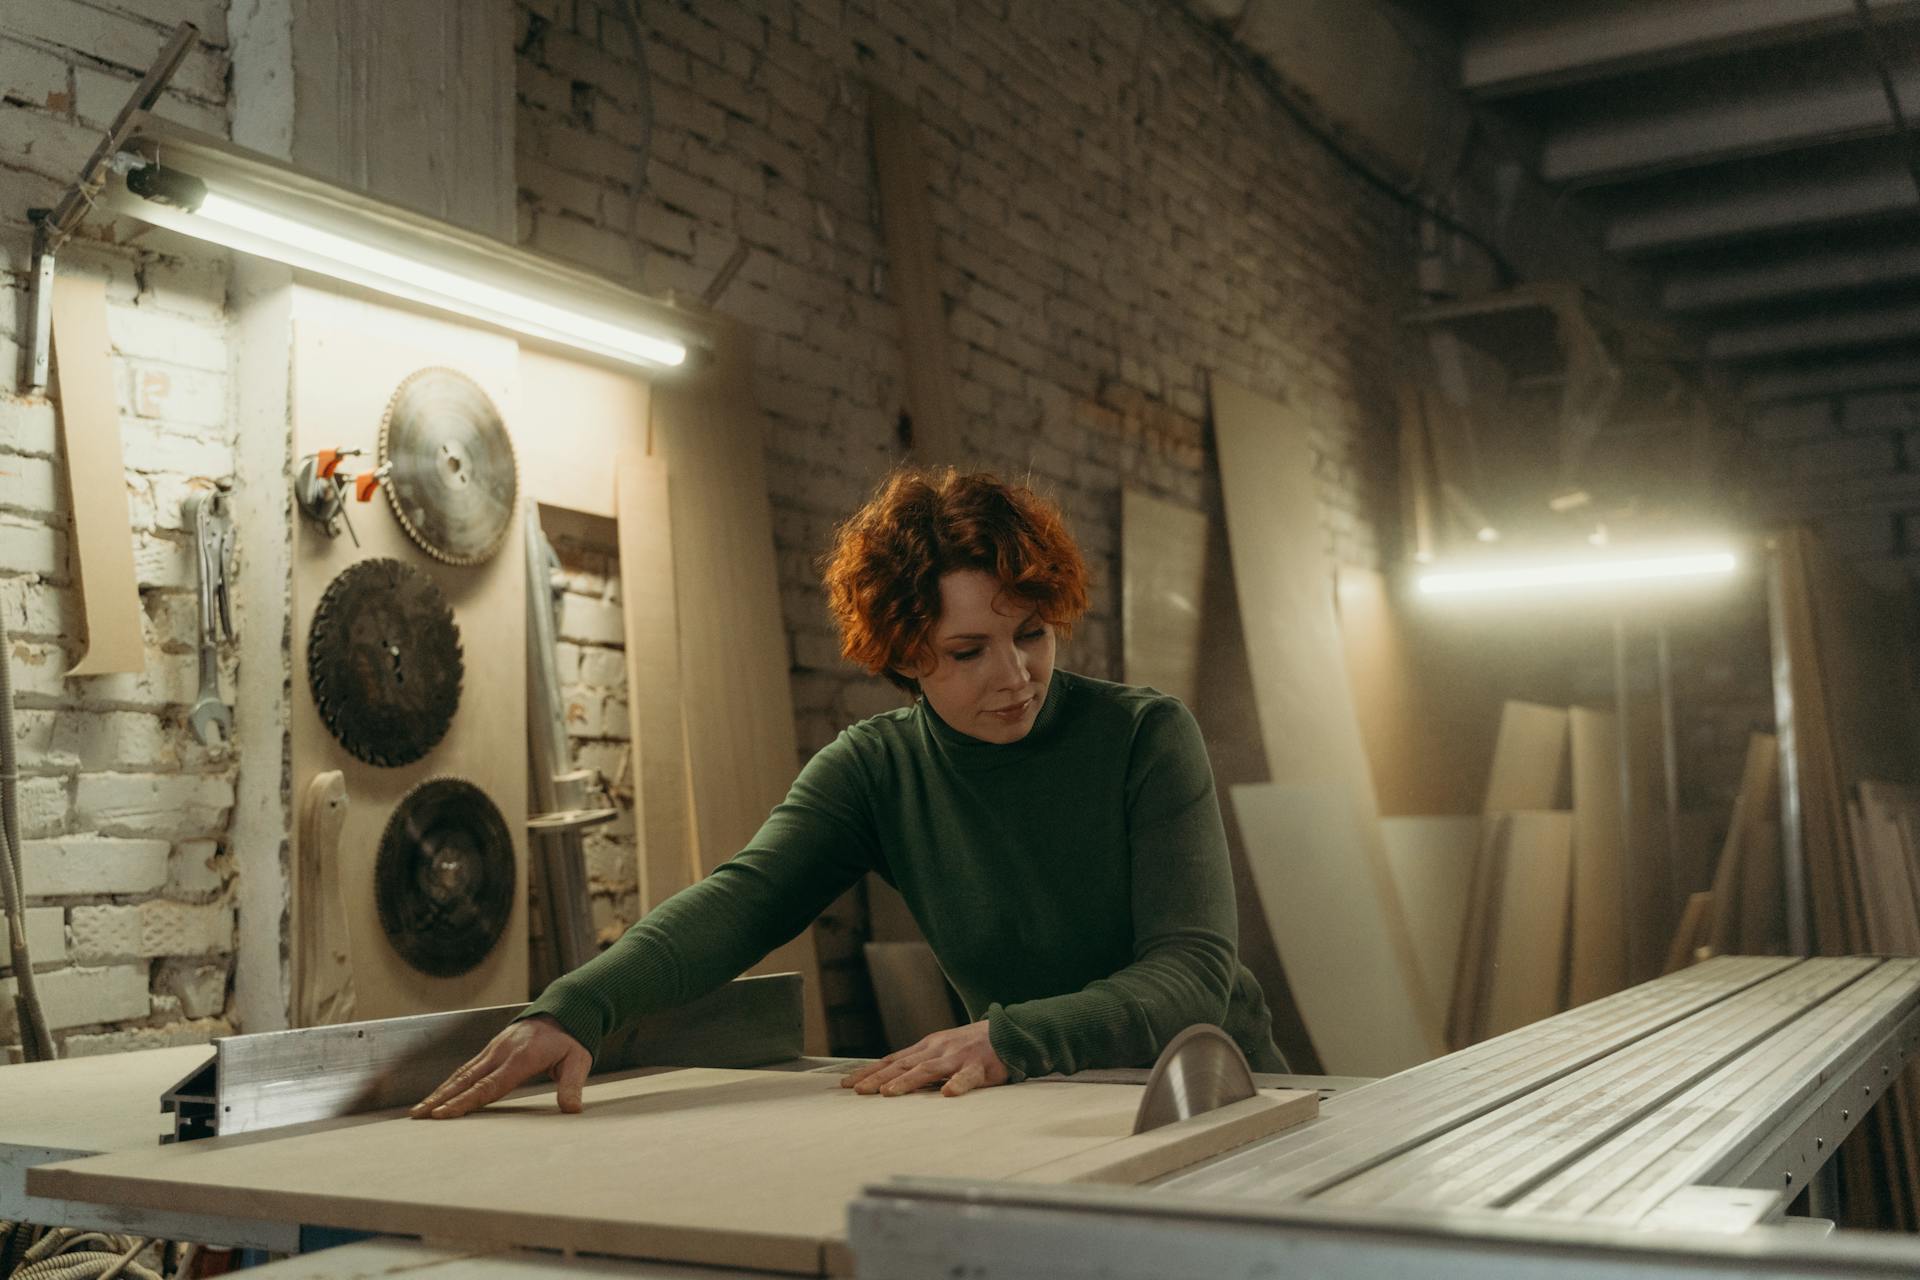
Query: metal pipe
{"points": [[1793, 863]]}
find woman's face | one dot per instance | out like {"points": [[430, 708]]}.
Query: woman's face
{"points": [[992, 659]]}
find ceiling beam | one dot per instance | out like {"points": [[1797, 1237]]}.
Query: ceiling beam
{"points": [[1817, 197], [1838, 378], [1822, 271], [1858, 327], [1626, 143], [1559, 45]]}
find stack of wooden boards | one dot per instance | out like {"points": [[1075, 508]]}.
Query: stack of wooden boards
{"points": [[1849, 655], [749, 1169]]}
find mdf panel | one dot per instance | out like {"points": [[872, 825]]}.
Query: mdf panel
{"points": [[1313, 837], [1163, 565], [1599, 939], [580, 417], [348, 357]]}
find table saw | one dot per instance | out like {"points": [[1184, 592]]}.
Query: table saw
{"points": [[1659, 1131]]}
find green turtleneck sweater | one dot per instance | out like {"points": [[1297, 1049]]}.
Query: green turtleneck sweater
{"points": [[1073, 884]]}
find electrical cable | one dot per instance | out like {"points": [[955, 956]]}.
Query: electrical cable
{"points": [[36, 1043]]}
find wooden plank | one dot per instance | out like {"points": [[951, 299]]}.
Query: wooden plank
{"points": [[1425, 701], [1690, 934], [1529, 759], [349, 355], [589, 415], [1163, 563], [1756, 802], [1473, 964], [911, 990], [742, 750], [1599, 930], [102, 546], [1434, 862], [657, 730], [913, 282], [1345, 944], [323, 962], [1306, 846], [1173, 1147], [724, 1168], [1528, 978]]}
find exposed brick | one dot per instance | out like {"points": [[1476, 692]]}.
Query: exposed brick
{"points": [[154, 928], [170, 806], [588, 621], [76, 865], [83, 997], [201, 988], [46, 938]]}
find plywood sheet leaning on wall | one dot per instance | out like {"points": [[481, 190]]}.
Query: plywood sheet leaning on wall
{"points": [[742, 750], [1755, 816], [581, 417], [657, 731], [1528, 957], [1313, 837], [1425, 697], [1433, 861], [1163, 567], [96, 480], [1529, 759], [1598, 945], [349, 356]]}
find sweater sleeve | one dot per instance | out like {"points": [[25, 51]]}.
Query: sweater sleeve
{"points": [[1184, 926], [812, 848]]}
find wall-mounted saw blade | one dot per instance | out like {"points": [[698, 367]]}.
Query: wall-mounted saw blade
{"points": [[450, 472], [384, 661], [443, 880]]}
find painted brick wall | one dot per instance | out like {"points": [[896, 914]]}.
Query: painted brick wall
{"points": [[123, 813], [1120, 210]]}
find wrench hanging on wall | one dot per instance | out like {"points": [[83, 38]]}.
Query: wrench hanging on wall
{"points": [[206, 510]]}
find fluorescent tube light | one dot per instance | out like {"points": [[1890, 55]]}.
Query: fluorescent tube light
{"points": [[172, 177], [1549, 575], [313, 249]]}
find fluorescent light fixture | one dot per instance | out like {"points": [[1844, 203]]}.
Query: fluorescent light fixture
{"points": [[1577, 572], [257, 206]]}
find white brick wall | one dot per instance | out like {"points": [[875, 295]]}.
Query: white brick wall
{"points": [[123, 811]]}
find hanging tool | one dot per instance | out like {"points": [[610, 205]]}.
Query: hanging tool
{"points": [[206, 510], [319, 489], [385, 662], [452, 480]]}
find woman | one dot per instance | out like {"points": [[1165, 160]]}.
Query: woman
{"points": [[1057, 837]]}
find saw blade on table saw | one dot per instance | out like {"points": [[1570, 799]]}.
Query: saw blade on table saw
{"points": [[444, 877], [451, 477], [1199, 1070]]}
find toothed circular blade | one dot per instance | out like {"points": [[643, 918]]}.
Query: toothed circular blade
{"points": [[1200, 1069], [443, 879], [384, 662], [451, 479]]}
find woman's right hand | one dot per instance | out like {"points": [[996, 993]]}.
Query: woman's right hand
{"points": [[518, 1054]]}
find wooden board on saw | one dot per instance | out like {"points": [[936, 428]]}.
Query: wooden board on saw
{"points": [[1313, 837], [102, 548], [656, 710], [348, 357], [1598, 942], [588, 416], [1427, 705], [1529, 759], [742, 750], [1163, 566], [725, 1168], [1433, 865]]}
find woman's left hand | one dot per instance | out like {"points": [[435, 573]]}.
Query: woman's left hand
{"points": [[963, 1057]]}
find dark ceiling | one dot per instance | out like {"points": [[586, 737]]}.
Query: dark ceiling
{"points": [[1742, 151]]}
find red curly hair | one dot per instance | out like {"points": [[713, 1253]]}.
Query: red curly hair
{"points": [[884, 569]]}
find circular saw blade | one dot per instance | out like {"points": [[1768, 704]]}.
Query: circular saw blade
{"points": [[451, 478], [384, 662], [444, 877], [1200, 1069]]}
